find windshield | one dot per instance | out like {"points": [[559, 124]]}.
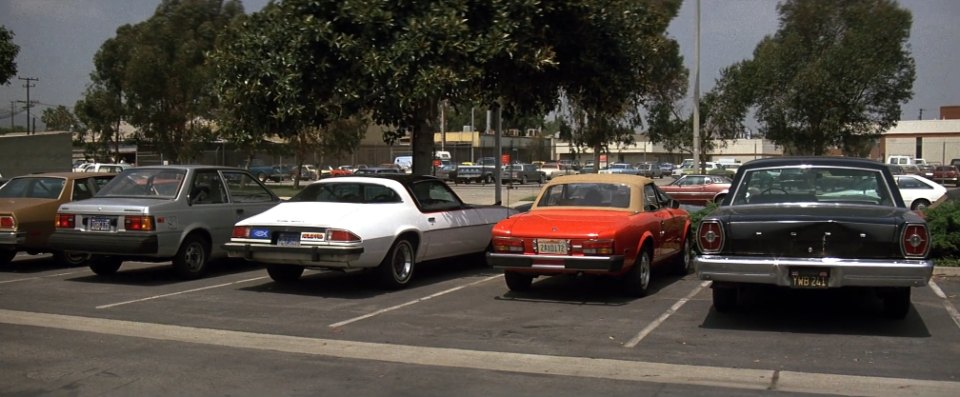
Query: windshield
{"points": [[813, 185], [145, 182], [586, 194], [47, 188]]}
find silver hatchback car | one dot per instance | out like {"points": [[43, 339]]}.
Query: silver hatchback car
{"points": [[181, 213]]}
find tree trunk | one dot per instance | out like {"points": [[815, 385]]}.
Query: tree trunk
{"points": [[422, 145]]}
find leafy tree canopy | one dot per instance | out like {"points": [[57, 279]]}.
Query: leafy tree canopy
{"points": [[834, 74], [59, 119], [8, 55]]}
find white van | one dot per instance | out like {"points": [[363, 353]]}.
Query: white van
{"points": [[899, 160], [404, 162]]}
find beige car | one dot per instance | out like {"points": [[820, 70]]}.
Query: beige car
{"points": [[28, 207], [180, 213]]}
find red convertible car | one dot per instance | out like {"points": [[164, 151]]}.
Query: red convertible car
{"points": [[603, 224], [698, 189]]}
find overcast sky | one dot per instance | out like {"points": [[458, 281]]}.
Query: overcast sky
{"points": [[58, 39]]}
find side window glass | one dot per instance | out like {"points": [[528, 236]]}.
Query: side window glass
{"points": [[243, 188], [81, 190], [207, 188], [435, 196], [650, 200]]}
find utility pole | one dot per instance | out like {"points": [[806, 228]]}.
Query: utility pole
{"points": [[12, 109], [28, 85], [921, 114], [696, 96]]}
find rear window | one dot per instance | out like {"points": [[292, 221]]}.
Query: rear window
{"points": [[347, 192], [33, 187], [586, 195], [146, 183], [813, 185]]}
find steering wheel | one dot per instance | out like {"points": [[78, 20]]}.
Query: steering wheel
{"points": [[768, 190]]}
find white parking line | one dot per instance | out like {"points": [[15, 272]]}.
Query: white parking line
{"points": [[663, 317], [520, 363], [951, 309], [391, 308], [37, 277], [180, 293]]}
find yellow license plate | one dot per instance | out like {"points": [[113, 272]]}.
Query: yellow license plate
{"points": [[809, 278]]}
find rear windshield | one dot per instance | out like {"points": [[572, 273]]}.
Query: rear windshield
{"points": [[813, 185], [146, 183], [30, 187], [347, 192], [586, 195]]}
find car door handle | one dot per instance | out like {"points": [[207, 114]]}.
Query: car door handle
{"points": [[431, 219]]}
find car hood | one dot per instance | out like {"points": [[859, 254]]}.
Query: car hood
{"points": [[567, 223], [316, 214]]}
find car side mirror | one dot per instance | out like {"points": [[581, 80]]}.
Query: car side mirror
{"points": [[674, 204]]}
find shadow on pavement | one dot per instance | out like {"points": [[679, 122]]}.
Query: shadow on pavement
{"points": [[161, 273], [847, 311], [584, 290]]}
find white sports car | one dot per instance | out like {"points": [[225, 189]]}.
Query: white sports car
{"points": [[919, 192], [385, 222]]}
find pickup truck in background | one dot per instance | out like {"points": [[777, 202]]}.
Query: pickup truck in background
{"points": [[481, 172]]}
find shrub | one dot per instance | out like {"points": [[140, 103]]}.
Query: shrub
{"points": [[944, 223]]}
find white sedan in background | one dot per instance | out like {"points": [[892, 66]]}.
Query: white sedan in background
{"points": [[386, 223], [919, 192]]}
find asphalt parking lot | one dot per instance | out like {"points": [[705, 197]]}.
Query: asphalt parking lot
{"points": [[457, 330]]}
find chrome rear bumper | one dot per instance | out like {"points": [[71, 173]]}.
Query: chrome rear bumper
{"points": [[843, 272]]}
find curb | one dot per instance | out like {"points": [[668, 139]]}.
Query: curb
{"points": [[949, 271]]}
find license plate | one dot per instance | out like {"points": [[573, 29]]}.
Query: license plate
{"points": [[809, 278], [288, 239], [552, 247], [99, 224]]}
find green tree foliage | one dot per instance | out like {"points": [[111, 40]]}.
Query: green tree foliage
{"points": [[944, 222], [8, 55], [833, 76], [59, 119], [155, 75]]}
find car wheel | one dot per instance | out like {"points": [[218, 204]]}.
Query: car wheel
{"points": [[523, 180], [684, 261], [6, 257], [518, 281], [638, 278], [71, 258], [725, 298], [191, 260], [718, 199], [284, 273], [262, 177], [896, 302], [919, 205], [488, 179], [397, 268], [541, 179], [105, 265]]}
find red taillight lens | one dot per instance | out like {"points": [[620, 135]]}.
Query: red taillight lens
{"points": [[507, 245], [66, 221], [597, 247], [915, 240], [142, 223], [342, 236], [240, 232], [8, 222], [710, 236]]}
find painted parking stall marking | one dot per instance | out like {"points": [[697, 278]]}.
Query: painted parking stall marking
{"points": [[951, 309], [179, 293], [663, 317], [37, 277], [415, 301]]}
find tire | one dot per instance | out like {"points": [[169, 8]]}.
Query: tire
{"points": [[518, 281], [725, 299], [523, 180], [919, 205], [896, 303], [105, 265], [541, 179], [684, 262], [71, 258], [719, 199], [262, 177], [396, 270], [6, 257], [191, 259], [637, 280], [284, 273], [488, 179]]}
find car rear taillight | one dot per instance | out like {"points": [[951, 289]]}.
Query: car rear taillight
{"points": [[343, 236], [142, 223], [710, 236], [597, 247], [66, 221], [240, 232], [915, 241], [507, 245], [8, 222]]}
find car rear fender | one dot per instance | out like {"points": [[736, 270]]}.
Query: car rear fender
{"points": [[646, 243], [215, 249], [413, 236]]}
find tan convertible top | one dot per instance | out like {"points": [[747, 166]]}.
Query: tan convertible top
{"points": [[635, 182]]}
